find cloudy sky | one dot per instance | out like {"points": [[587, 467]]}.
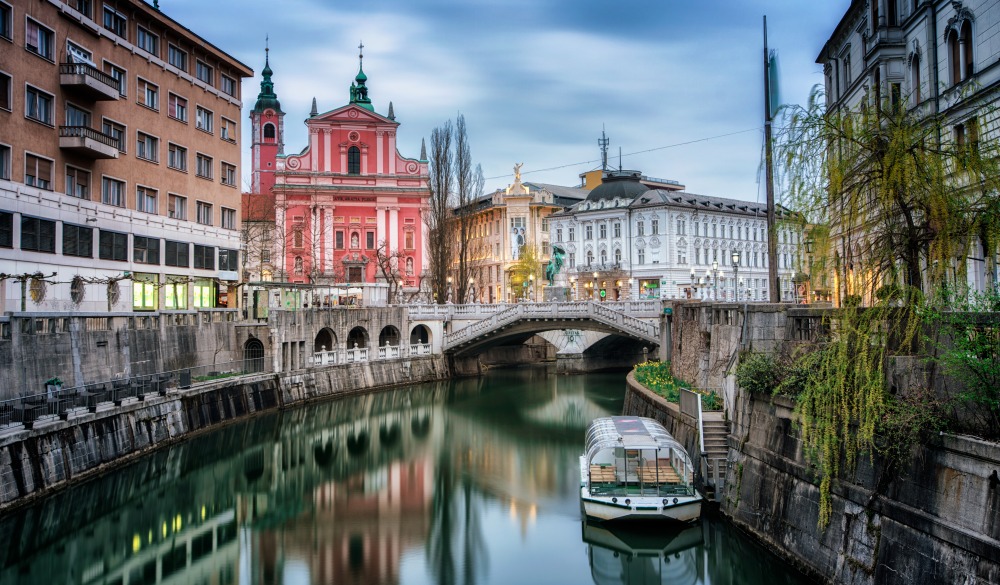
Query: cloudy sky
{"points": [[675, 84]]}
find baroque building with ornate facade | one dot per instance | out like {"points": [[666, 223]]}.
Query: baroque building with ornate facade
{"points": [[627, 241], [346, 200]]}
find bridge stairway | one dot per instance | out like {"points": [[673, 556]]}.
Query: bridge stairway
{"points": [[715, 452]]}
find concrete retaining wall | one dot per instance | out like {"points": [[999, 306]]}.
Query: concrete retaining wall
{"points": [[54, 454]]}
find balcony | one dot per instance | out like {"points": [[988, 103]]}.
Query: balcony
{"points": [[86, 141], [86, 80]]}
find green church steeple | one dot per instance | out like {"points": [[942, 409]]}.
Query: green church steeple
{"points": [[359, 92], [267, 98]]}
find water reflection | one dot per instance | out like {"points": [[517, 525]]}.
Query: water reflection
{"points": [[466, 482]]}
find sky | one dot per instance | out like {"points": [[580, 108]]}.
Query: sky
{"points": [[677, 86]]}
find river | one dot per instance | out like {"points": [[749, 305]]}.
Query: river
{"points": [[473, 481]]}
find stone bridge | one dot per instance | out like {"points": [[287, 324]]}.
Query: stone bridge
{"points": [[517, 322]]}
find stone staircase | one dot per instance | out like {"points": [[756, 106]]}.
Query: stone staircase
{"points": [[714, 451]]}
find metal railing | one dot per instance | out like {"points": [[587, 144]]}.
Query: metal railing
{"points": [[60, 402]]}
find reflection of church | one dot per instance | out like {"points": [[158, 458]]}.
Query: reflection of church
{"points": [[347, 194]]}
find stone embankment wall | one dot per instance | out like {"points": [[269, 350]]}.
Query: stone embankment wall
{"points": [[52, 455], [938, 521], [641, 402]]}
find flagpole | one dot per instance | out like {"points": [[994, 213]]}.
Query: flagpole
{"points": [[774, 286]]}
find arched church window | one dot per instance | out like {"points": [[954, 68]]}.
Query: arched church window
{"points": [[354, 161], [268, 131]]}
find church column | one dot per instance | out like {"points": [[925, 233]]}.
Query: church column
{"points": [[327, 151], [328, 234], [379, 148], [314, 148], [380, 234], [394, 228], [364, 159], [391, 152], [281, 233]]}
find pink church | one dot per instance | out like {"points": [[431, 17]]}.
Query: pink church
{"points": [[348, 194]]}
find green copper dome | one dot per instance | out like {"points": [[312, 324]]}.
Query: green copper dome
{"points": [[267, 99]]}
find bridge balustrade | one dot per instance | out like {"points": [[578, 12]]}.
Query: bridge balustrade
{"points": [[417, 349], [325, 358], [359, 354], [388, 352]]}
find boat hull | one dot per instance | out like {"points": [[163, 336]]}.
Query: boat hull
{"points": [[687, 509]]}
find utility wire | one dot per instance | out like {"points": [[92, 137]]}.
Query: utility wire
{"points": [[695, 141]]}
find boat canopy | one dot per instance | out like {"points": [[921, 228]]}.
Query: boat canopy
{"points": [[629, 432]]}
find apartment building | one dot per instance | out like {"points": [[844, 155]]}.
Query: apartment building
{"points": [[119, 160]]}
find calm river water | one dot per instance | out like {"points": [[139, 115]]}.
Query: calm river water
{"points": [[466, 482]]}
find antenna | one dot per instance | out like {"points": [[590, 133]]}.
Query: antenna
{"points": [[603, 143], [619, 159]]}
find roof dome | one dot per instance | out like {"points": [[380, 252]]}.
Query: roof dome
{"points": [[618, 185]]}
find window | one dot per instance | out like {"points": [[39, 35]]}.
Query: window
{"points": [[38, 105], [145, 250], [204, 257], [618, 230], [203, 72], [77, 117], [640, 256], [149, 94], [113, 192], [353, 161], [177, 207], [408, 240], [145, 200], [38, 235], [227, 131], [654, 226], [228, 218], [602, 231], [715, 231], [119, 75], [268, 132], [4, 162], [6, 22], [204, 213], [204, 166], [176, 254], [115, 21], [144, 292], [618, 256], [38, 39], [77, 183], [37, 171], [6, 230], [960, 52], [588, 232], [572, 234], [640, 228], [915, 79], [203, 119], [116, 131], [175, 295], [177, 107], [177, 57], [113, 246], [146, 146], [228, 85], [229, 174], [590, 257], [229, 259], [559, 234], [147, 41], [339, 240], [265, 256], [6, 86], [370, 240], [77, 241], [847, 68], [177, 157]]}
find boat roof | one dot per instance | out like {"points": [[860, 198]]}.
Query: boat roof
{"points": [[632, 432]]}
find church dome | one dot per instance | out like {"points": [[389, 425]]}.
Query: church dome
{"points": [[618, 185]]}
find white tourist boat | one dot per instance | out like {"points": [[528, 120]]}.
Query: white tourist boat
{"points": [[633, 469]]}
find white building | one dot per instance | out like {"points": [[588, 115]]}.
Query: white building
{"points": [[628, 241]]}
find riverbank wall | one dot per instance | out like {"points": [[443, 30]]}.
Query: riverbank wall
{"points": [[56, 453], [642, 402], [937, 520]]}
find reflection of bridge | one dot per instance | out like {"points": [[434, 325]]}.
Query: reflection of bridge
{"points": [[525, 319]]}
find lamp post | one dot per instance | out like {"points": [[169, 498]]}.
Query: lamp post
{"points": [[531, 287], [708, 282], [736, 273], [595, 286], [449, 289], [715, 282]]}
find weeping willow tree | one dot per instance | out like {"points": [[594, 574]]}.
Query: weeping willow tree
{"points": [[900, 199]]}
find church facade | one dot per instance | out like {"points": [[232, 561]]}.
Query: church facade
{"points": [[348, 208]]}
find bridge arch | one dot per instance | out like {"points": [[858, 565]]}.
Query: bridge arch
{"points": [[357, 337], [325, 340], [388, 336]]}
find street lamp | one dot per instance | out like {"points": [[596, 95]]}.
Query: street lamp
{"points": [[449, 289], [715, 282], [595, 286], [736, 273], [531, 286]]}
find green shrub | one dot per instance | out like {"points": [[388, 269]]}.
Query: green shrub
{"points": [[758, 373]]}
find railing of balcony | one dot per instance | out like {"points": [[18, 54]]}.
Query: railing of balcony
{"points": [[88, 132], [90, 71]]}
